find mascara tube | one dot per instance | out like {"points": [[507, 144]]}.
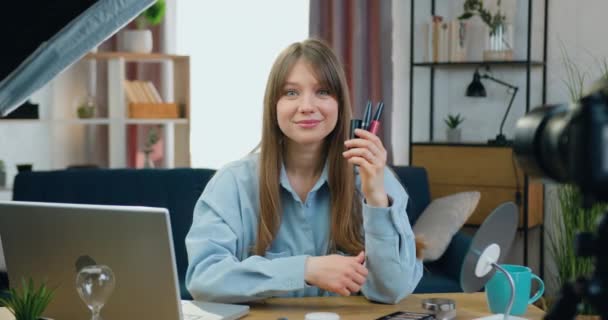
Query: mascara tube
{"points": [[354, 124], [367, 116]]}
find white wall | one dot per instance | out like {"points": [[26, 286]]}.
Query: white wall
{"points": [[401, 80], [232, 45], [46, 144]]}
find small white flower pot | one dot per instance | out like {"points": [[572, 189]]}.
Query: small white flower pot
{"points": [[139, 41], [453, 135]]}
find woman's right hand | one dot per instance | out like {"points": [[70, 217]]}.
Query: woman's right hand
{"points": [[336, 273]]}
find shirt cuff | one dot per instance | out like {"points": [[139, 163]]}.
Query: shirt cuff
{"points": [[378, 221], [294, 279]]}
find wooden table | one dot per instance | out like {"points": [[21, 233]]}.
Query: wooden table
{"points": [[468, 306]]}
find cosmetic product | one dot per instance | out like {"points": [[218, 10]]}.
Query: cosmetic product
{"points": [[442, 309], [354, 124], [375, 125], [367, 116], [322, 316]]}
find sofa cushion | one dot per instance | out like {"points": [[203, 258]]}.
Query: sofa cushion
{"points": [[436, 281], [440, 221], [174, 189]]}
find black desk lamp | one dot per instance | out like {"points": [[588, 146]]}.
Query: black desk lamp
{"points": [[476, 89]]}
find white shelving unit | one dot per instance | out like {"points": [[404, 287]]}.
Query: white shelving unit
{"points": [[175, 87]]}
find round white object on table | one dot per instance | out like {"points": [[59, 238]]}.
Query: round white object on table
{"points": [[322, 316]]}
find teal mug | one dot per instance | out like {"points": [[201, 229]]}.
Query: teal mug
{"points": [[498, 290]]}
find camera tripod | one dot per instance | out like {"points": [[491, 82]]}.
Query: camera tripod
{"points": [[593, 290]]}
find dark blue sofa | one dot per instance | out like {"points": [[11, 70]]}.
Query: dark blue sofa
{"points": [[178, 191]]}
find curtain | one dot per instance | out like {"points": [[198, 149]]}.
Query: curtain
{"points": [[360, 32]]}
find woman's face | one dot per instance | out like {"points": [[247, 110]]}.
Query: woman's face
{"points": [[306, 111]]}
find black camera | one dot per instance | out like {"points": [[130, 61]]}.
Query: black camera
{"points": [[569, 144]]}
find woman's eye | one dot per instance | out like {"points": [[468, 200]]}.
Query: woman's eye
{"points": [[291, 92], [323, 92]]}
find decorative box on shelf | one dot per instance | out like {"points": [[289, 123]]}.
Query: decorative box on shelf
{"points": [[154, 110]]}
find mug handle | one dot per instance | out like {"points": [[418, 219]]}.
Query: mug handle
{"points": [[541, 289]]}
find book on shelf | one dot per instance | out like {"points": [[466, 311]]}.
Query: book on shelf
{"points": [[153, 92], [457, 39], [141, 92], [144, 102], [444, 41], [436, 39]]}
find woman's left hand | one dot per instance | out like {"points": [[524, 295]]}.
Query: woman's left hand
{"points": [[369, 154]]}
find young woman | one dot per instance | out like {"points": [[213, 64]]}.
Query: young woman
{"points": [[293, 220]]}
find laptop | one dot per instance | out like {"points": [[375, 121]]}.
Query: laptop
{"points": [[45, 241]]}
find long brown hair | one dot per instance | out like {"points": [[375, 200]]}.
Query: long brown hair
{"points": [[346, 219]]}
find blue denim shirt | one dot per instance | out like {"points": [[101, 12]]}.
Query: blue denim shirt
{"points": [[221, 267]]}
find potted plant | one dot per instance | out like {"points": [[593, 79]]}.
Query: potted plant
{"points": [[29, 302], [2, 174], [86, 108], [151, 140], [140, 40], [453, 132], [499, 41]]}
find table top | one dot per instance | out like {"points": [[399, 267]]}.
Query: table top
{"points": [[468, 306]]}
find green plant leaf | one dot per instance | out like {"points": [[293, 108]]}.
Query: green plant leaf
{"points": [[562, 234], [28, 302], [154, 15], [475, 7], [453, 121], [465, 16]]}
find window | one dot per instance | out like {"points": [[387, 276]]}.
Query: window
{"points": [[232, 45]]}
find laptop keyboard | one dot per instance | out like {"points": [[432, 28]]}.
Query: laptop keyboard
{"points": [[211, 311], [195, 317]]}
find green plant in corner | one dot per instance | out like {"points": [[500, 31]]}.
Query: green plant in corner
{"points": [[2, 166], [476, 8], [453, 121], [151, 16], [29, 302]]}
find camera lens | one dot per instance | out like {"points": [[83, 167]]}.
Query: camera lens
{"points": [[540, 142]]}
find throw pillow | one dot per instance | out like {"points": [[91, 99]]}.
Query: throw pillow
{"points": [[442, 219]]}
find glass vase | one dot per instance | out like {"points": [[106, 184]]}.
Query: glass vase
{"points": [[499, 43]]}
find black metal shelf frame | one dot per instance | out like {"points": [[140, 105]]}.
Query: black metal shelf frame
{"points": [[527, 64]]}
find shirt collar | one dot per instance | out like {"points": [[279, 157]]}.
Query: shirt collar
{"points": [[284, 181]]}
